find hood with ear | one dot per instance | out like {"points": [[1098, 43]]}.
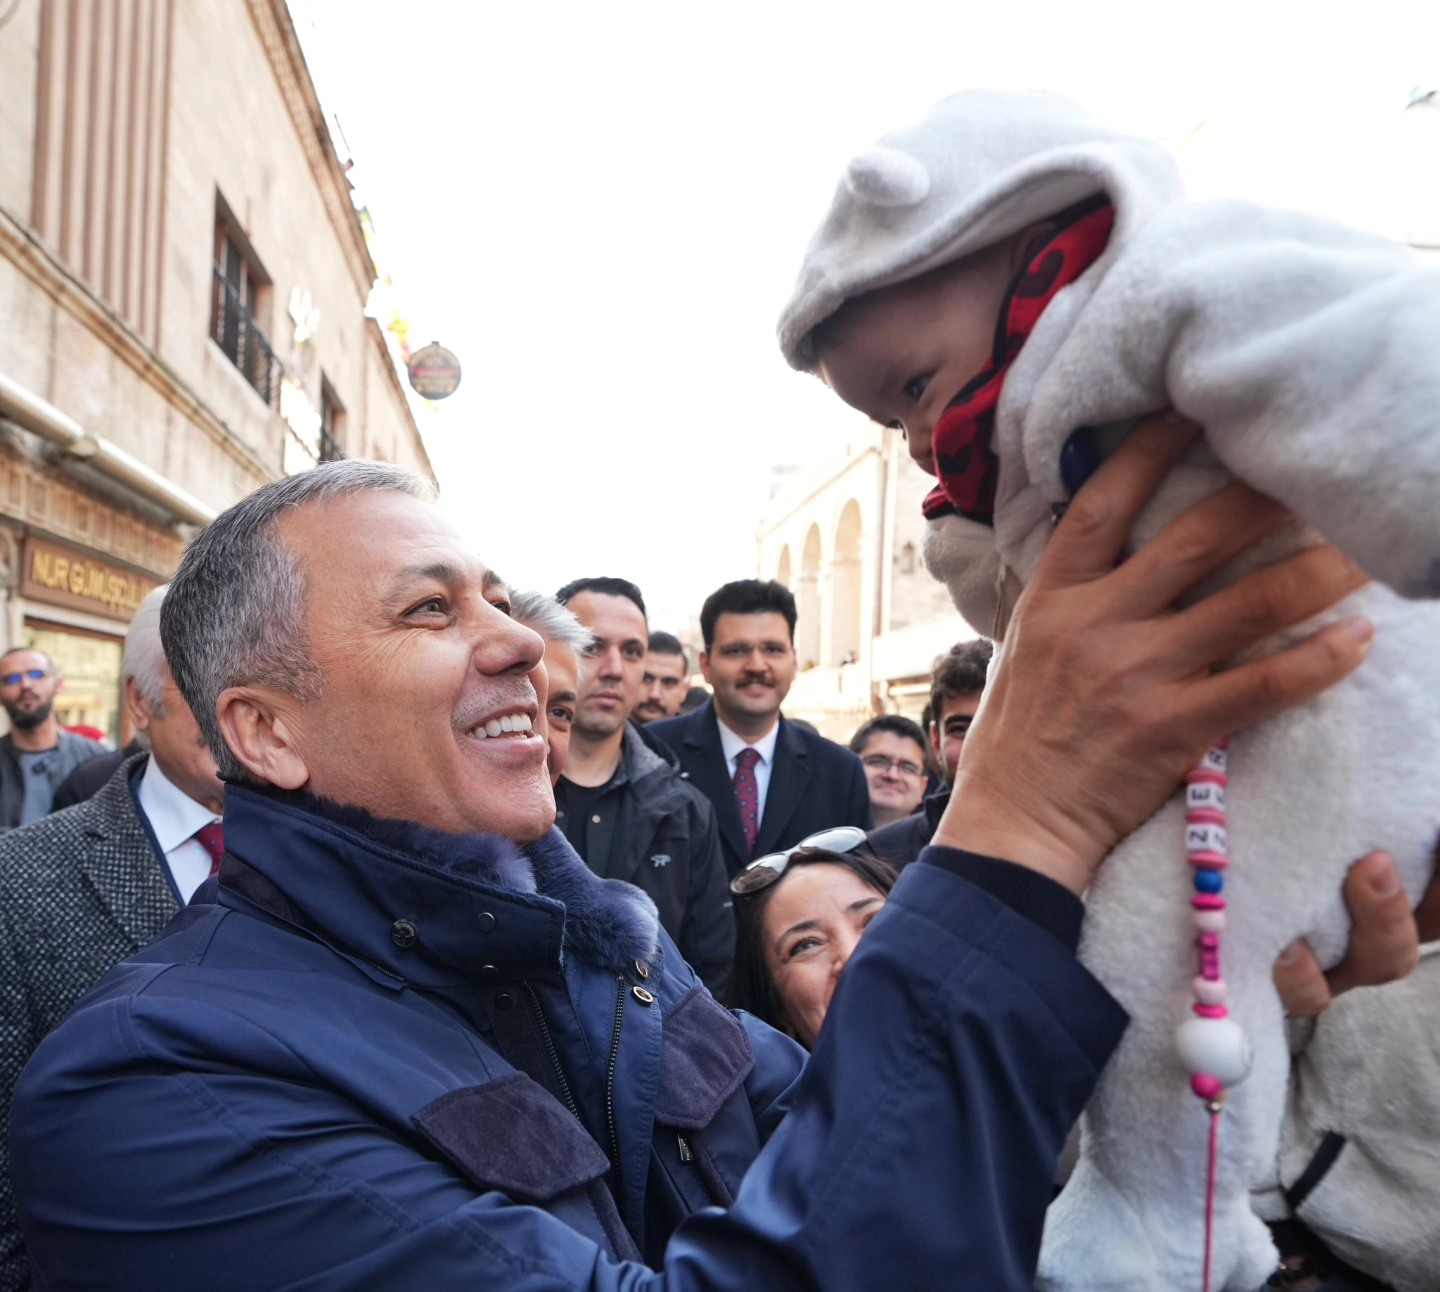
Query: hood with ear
{"points": [[976, 169]]}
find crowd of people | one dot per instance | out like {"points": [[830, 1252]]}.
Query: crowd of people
{"points": [[362, 905], [399, 951]]}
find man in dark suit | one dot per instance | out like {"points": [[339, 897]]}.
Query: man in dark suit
{"points": [[771, 781], [82, 889]]}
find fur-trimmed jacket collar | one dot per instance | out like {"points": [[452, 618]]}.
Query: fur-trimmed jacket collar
{"points": [[415, 902]]}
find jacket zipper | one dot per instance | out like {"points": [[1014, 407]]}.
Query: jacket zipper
{"points": [[550, 1050], [610, 1087]]}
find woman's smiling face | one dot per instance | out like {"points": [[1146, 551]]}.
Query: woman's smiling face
{"points": [[810, 928]]}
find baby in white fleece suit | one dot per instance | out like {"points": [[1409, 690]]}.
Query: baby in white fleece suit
{"points": [[1013, 285]]}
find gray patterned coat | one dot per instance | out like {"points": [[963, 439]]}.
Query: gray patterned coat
{"points": [[79, 891]]}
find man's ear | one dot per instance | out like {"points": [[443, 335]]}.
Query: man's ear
{"points": [[137, 706], [936, 742], [257, 723], [705, 665]]}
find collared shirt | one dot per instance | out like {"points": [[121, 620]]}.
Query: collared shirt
{"points": [[174, 817], [731, 744]]}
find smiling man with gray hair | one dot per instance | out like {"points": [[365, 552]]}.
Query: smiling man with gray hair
{"points": [[416, 1043]]}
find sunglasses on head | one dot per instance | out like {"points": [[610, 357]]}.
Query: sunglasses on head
{"points": [[29, 675], [764, 871]]}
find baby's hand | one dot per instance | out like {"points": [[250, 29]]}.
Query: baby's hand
{"points": [[1385, 937]]}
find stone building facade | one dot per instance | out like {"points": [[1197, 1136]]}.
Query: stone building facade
{"points": [[845, 538], [183, 289]]}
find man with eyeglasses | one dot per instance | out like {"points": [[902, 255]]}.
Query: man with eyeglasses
{"points": [[892, 752], [623, 802], [36, 754]]}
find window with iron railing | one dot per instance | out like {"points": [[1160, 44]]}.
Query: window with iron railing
{"points": [[332, 415], [238, 285]]}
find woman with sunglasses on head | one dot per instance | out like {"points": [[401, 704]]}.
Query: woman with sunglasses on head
{"points": [[799, 915]]}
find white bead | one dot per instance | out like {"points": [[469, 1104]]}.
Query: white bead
{"points": [[1216, 1046], [1208, 921], [1209, 991]]}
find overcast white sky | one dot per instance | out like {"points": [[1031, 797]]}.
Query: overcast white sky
{"points": [[600, 209]]}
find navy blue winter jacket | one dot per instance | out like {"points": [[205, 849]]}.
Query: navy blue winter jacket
{"points": [[390, 1059]]}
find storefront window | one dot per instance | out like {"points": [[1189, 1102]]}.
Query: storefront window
{"points": [[90, 665]]}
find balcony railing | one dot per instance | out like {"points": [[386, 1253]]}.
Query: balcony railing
{"points": [[330, 450], [236, 332]]}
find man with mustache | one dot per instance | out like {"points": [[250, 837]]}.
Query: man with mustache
{"points": [[772, 783], [36, 754], [622, 801], [662, 685]]}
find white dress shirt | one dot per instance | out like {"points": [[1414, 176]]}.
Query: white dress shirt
{"points": [[731, 745], [174, 817]]}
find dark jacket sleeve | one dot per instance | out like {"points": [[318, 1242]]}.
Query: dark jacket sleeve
{"points": [[707, 938], [918, 1148], [922, 1139]]}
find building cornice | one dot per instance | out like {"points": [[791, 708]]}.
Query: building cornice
{"points": [[287, 60], [387, 362], [795, 497]]}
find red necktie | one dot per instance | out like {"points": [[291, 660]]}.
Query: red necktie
{"points": [[212, 839], [747, 794]]}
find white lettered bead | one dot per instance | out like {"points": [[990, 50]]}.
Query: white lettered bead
{"points": [[1205, 838], [1205, 794]]}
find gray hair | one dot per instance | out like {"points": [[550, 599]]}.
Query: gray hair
{"points": [[550, 619], [235, 611], [145, 654]]}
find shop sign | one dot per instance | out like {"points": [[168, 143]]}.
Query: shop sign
{"points": [[65, 576], [434, 372]]}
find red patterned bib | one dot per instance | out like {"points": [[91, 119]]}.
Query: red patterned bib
{"points": [[964, 460]]}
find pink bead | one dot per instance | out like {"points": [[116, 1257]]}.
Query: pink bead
{"points": [[1207, 776], [1210, 991], [1209, 941], [1209, 921], [1205, 816], [1210, 1011], [1209, 860], [1208, 902], [1206, 1086]]}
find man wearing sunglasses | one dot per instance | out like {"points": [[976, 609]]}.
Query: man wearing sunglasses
{"points": [[36, 754]]}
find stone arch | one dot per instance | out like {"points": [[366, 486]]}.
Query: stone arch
{"points": [[846, 572], [807, 601], [782, 567]]}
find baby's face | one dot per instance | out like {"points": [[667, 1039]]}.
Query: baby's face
{"points": [[901, 354]]}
